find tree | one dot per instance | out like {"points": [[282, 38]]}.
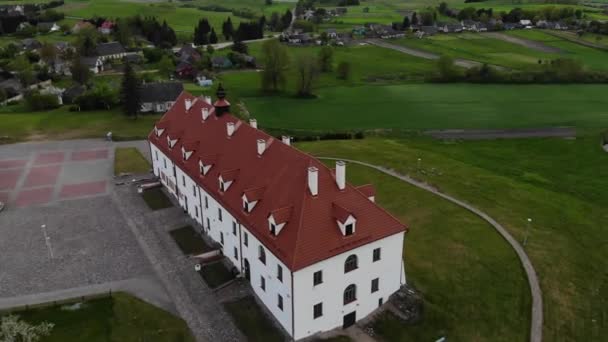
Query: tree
{"points": [[14, 329], [414, 19], [201, 32], [24, 70], [86, 43], [275, 60], [344, 70], [166, 66], [307, 72], [406, 23], [240, 47], [443, 7], [37, 101], [129, 91], [122, 32], [445, 65], [212, 37], [80, 72], [268, 2], [210, 50], [326, 58], [286, 20], [228, 29], [48, 53]]}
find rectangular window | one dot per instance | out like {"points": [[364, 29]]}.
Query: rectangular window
{"points": [[375, 285], [194, 190], [208, 224], [245, 239], [219, 214], [183, 180], [348, 230], [263, 283], [376, 254], [317, 310], [280, 302], [234, 228], [236, 254], [165, 162], [156, 154], [317, 278], [280, 273], [380, 301], [222, 238], [196, 210], [206, 202]]}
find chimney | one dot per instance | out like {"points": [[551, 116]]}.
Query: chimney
{"points": [[261, 146], [286, 140], [205, 112], [188, 103], [341, 174], [208, 99], [313, 180], [230, 128], [253, 123]]}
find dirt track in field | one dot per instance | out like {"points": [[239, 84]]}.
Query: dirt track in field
{"points": [[551, 132], [530, 44]]}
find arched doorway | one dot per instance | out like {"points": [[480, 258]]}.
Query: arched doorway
{"points": [[247, 270]]}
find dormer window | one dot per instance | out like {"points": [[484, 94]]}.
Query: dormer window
{"points": [[273, 229], [226, 179], [203, 169], [349, 229], [170, 142], [222, 186], [186, 154], [346, 221], [278, 219], [248, 204]]}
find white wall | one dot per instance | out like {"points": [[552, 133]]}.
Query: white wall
{"points": [[388, 269]]}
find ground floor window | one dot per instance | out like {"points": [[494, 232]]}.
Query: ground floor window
{"points": [[317, 310], [280, 302]]}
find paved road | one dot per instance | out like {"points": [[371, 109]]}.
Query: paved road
{"points": [[536, 330], [465, 63]]}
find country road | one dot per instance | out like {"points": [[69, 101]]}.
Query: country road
{"points": [[464, 63]]}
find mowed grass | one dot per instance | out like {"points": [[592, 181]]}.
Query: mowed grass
{"points": [[473, 286], [156, 199], [189, 241], [252, 321], [427, 106], [560, 184], [129, 160], [19, 124], [478, 48], [117, 318]]}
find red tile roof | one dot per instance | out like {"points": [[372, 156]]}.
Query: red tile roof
{"points": [[367, 189], [311, 233]]}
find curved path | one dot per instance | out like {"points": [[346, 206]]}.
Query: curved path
{"points": [[536, 330]]}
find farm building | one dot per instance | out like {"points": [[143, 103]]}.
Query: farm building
{"points": [[159, 97], [318, 252]]}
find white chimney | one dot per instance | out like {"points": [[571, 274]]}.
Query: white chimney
{"points": [[341, 174], [205, 112], [230, 128], [208, 99], [313, 180], [261, 146], [188, 103], [286, 140], [253, 123]]}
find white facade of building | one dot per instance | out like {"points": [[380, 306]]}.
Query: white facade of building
{"points": [[291, 297]]}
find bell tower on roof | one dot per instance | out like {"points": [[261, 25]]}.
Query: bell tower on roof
{"points": [[221, 104]]}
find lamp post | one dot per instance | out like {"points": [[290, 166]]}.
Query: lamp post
{"points": [[419, 160], [527, 231], [47, 240]]}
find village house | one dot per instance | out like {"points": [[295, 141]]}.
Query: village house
{"points": [[449, 28], [82, 25], [106, 27], [318, 252], [159, 97], [109, 51], [47, 27], [95, 64]]}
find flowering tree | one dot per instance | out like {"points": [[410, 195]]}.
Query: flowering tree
{"points": [[12, 329]]}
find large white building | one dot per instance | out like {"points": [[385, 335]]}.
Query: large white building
{"points": [[318, 252]]}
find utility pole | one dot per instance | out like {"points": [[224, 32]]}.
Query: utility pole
{"points": [[47, 240], [527, 231]]}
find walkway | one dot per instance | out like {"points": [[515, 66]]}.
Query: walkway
{"points": [[148, 289], [465, 63], [536, 330]]}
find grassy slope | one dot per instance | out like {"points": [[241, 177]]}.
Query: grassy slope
{"points": [[451, 257], [120, 318], [560, 184]]}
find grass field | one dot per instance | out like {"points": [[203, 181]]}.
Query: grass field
{"points": [[117, 318], [479, 48], [156, 199], [189, 241], [250, 319], [425, 106], [129, 160], [560, 184], [451, 258]]}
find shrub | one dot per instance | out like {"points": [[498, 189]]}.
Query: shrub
{"points": [[344, 70], [36, 101]]}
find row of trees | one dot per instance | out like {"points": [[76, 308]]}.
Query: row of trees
{"points": [[308, 68]]}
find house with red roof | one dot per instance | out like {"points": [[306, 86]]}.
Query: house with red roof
{"points": [[319, 253]]}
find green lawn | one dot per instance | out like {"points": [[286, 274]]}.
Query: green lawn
{"points": [[216, 274], [117, 318], [560, 184], [252, 321], [156, 199], [424, 106], [129, 160], [478, 48], [189, 241]]}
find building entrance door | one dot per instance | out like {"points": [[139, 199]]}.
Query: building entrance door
{"points": [[349, 319], [247, 272]]}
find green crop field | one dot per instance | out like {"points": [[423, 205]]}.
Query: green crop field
{"points": [[560, 184]]}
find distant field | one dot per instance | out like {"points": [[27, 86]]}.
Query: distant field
{"points": [[425, 106]]}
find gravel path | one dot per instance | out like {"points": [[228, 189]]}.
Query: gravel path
{"points": [[465, 63], [479, 134], [536, 330], [530, 44]]}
